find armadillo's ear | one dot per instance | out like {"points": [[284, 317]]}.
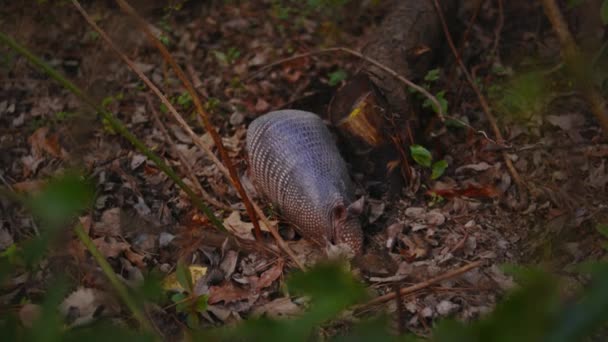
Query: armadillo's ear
{"points": [[356, 208], [339, 212]]}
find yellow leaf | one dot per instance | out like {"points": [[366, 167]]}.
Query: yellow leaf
{"points": [[171, 284]]}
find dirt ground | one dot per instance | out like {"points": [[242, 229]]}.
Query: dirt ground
{"points": [[142, 222]]}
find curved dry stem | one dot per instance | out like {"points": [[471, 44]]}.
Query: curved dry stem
{"points": [[376, 63]]}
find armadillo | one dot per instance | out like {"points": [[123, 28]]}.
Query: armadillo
{"points": [[295, 163]]}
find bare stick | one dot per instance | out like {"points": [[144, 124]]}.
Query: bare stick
{"points": [[410, 289], [572, 58], [143, 25], [386, 69], [486, 109], [182, 158]]}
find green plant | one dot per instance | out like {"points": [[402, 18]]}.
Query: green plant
{"points": [[184, 100], [431, 77], [337, 77], [228, 57], [187, 302], [423, 157]]}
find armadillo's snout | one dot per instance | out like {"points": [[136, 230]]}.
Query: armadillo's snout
{"points": [[350, 233], [348, 225]]}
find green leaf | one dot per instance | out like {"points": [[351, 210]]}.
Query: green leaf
{"points": [[440, 96], [432, 75], [12, 254], [179, 300], [164, 108], [336, 77], [602, 228], [178, 297], [439, 168], [184, 99], [604, 12], [455, 123], [201, 303], [220, 56], [184, 277], [421, 155]]}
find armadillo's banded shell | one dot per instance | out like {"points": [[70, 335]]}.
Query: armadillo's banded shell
{"points": [[295, 163]]}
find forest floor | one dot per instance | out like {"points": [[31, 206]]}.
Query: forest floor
{"points": [[142, 222]]}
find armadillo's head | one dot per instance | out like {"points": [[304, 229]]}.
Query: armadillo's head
{"points": [[347, 226]]}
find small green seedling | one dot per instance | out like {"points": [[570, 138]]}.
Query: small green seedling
{"points": [[336, 77], [187, 302], [423, 157]]}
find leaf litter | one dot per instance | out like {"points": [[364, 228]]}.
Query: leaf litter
{"points": [[463, 216]]}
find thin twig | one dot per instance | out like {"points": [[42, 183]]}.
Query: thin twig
{"points": [[116, 124], [407, 290], [486, 109], [359, 55], [188, 169], [143, 25], [116, 284]]}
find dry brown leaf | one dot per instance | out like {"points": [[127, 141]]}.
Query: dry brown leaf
{"points": [[228, 293], [242, 229], [136, 258], [261, 106], [109, 224], [29, 186], [228, 264], [41, 141], [269, 276], [110, 247], [278, 308], [83, 305]]}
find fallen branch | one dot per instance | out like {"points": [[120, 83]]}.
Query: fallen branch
{"points": [[572, 57], [410, 289], [143, 25], [486, 109], [359, 55]]}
